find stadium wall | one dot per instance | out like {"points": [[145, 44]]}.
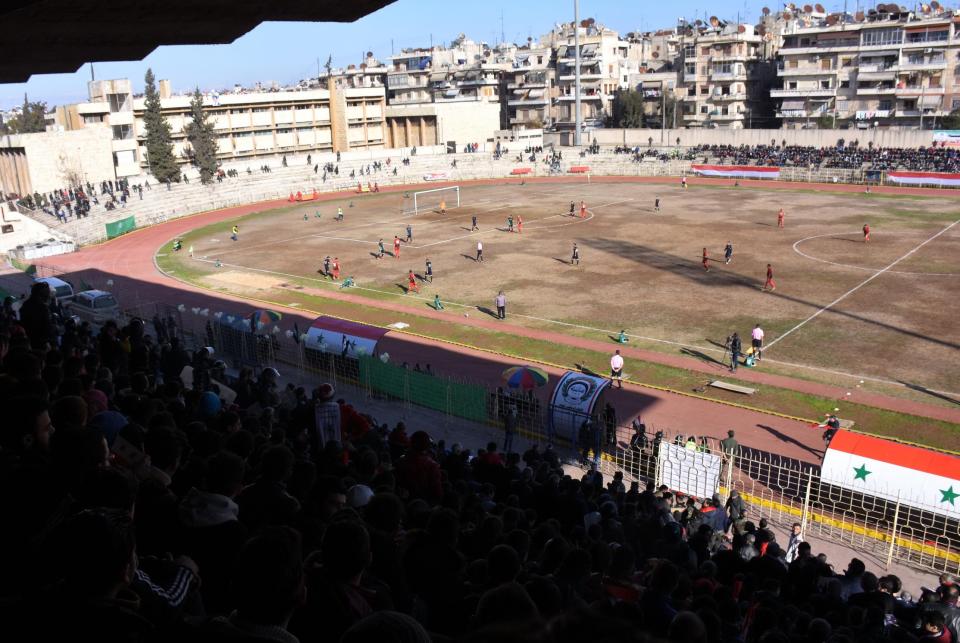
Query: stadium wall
{"points": [[736, 137]]}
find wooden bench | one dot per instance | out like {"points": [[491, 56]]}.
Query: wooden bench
{"points": [[579, 169], [520, 170], [736, 388]]}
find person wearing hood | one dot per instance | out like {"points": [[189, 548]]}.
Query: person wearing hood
{"points": [[210, 530]]}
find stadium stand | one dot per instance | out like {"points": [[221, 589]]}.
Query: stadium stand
{"points": [[139, 510]]}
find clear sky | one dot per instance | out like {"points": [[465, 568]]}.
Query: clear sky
{"points": [[288, 52]]}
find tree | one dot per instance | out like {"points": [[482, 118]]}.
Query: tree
{"points": [[162, 163], [30, 119], [951, 120], [627, 109], [826, 121], [670, 106], [203, 140]]}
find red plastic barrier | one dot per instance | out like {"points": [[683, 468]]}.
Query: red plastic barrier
{"points": [[579, 169], [520, 170]]}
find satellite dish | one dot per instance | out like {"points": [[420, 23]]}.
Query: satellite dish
{"points": [[934, 5], [807, 8], [832, 20], [698, 22], [925, 8], [765, 11], [859, 16], [369, 54], [714, 21], [787, 15], [792, 7], [656, 54], [591, 21], [741, 29], [584, 23], [819, 8]]}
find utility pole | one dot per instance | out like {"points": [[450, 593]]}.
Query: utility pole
{"points": [[503, 38], [576, 82]]}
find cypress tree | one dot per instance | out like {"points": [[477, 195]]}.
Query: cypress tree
{"points": [[162, 163], [203, 140]]}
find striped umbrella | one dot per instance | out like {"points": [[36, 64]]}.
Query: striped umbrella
{"points": [[525, 377], [263, 317]]}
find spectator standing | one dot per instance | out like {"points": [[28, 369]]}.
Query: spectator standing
{"points": [[501, 303], [616, 368]]}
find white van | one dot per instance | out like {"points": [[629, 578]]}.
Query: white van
{"points": [[59, 288], [94, 306]]}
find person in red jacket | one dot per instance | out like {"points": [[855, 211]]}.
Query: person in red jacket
{"points": [[418, 471], [866, 232], [706, 260]]}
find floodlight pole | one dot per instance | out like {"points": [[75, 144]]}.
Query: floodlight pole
{"points": [[576, 82]]}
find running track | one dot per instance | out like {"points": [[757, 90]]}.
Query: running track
{"points": [[129, 261]]}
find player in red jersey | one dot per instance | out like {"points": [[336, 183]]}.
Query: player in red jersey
{"points": [[396, 247], [769, 284], [706, 265], [780, 218], [866, 232]]}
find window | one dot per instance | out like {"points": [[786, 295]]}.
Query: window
{"points": [[704, 90], [844, 84], [927, 36], [703, 109], [872, 37], [846, 62], [122, 132], [792, 84], [885, 105], [690, 69], [98, 118], [826, 64], [705, 51], [935, 81], [824, 84], [955, 104], [793, 64], [261, 109], [689, 51], [118, 102]]}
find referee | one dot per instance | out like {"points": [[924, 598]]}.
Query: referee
{"points": [[756, 336]]}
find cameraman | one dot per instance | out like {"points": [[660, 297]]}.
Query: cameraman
{"points": [[733, 343]]}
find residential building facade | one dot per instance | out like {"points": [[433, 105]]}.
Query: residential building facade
{"points": [[881, 69]]}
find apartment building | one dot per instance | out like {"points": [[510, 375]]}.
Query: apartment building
{"points": [[247, 124], [724, 76], [605, 66], [530, 88], [880, 69]]}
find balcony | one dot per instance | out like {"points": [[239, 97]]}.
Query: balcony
{"points": [[729, 58], [691, 78], [544, 100], [728, 75], [582, 97], [725, 97], [805, 71], [931, 65], [790, 93], [792, 113], [584, 76], [528, 84], [918, 91], [875, 91], [727, 117], [692, 97]]}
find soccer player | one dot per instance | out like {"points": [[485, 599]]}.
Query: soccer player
{"points": [[443, 206], [339, 214], [436, 302], [769, 283], [479, 251], [474, 225], [235, 233], [519, 224], [866, 232], [326, 266], [583, 210], [510, 223], [396, 247], [706, 265], [412, 283], [305, 217], [575, 257], [380, 249], [409, 233], [428, 273], [683, 182], [780, 218], [656, 204], [756, 340], [336, 269], [728, 252], [616, 368], [573, 207]]}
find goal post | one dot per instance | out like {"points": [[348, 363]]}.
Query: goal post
{"points": [[426, 201]]}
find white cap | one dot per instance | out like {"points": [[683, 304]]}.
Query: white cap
{"points": [[359, 495]]}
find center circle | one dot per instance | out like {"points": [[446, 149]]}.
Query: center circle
{"points": [[796, 248]]}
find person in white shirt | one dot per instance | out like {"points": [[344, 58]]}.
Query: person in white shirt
{"points": [[501, 302], [757, 340], [616, 368], [479, 251]]}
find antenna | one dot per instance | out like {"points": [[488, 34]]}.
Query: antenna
{"points": [[503, 38], [92, 77]]}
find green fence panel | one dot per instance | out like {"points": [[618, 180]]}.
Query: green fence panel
{"points": [[430, 391], [123, 226]]}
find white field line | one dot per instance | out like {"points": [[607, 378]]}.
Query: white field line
{"points": [[796, 248], [859, 286]]}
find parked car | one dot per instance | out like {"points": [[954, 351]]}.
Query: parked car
{"points": [[94, 306], [59, 288]]}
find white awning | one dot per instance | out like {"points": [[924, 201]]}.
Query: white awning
{"points": [[451, 93], [792, 104], [536, 93], [588, 50], [879, 54], [930, 101]]}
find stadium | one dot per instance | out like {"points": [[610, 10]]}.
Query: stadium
{"points": [[387, 399]]}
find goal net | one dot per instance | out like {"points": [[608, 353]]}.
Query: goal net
{"points": [[426, 201]]}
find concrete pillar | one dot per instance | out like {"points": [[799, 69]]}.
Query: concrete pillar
{"points": [[338, 118], [406, 132], [422, 133]]}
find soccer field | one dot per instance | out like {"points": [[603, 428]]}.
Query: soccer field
{"points": [[886, 309]]}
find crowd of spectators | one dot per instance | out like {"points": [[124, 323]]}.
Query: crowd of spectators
{"points": [[851, 157], [140, 510]]}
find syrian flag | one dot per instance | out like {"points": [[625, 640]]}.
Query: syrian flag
{"points": [[925, 479], [737, 171], [942, 179]]}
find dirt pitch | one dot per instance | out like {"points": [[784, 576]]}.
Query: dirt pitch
{"points": [[885, 309]]}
